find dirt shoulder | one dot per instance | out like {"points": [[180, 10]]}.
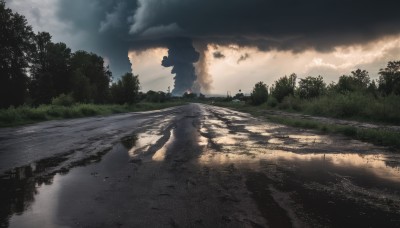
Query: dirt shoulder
{"points": [[378, 134], [328, 120]]}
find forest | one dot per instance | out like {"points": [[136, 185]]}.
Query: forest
{"points": [[34, 70]]}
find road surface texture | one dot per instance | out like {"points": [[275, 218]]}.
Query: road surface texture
{"points": [[192, 166]]}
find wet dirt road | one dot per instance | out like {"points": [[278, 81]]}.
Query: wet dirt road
{"points": [[192, 166]]}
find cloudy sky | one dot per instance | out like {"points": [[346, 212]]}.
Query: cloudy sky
{"points": [[240, 42]]}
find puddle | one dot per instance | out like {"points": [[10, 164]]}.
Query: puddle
{"points": [[30, 193], [276, 141], [309, 138], [142, 144], [161, 153], [129, 141], [30, 200], [59, 195], [377, 164]]}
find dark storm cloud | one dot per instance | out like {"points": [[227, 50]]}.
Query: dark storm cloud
{"points": [[113, 27], [218, 55], [285, 24], [104, 27]]}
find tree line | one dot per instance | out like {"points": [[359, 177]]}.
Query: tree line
{"points": [[388, 84], [34, 70]]}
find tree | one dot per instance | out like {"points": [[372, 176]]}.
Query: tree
{"points": [[15, 48], [373, 89], [49, 69], [358, 81], [361, 77], [284, 87], [240, 96], [41, 87], [389, 79], [126, 89], [346, 84], [92, 67], [311, 87], [59, 56], [152, 96], [259, 94], [81, 88]]}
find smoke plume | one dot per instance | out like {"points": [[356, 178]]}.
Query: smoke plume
{"points": [[181, 57], [204, 78]]}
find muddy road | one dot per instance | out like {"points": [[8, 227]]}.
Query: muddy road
{"points": [[192, 166]]}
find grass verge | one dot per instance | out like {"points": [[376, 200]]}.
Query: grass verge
{"points": [[381, 137], [25, 115]]}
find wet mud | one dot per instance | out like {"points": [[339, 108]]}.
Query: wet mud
{"points": [[205, 166]]}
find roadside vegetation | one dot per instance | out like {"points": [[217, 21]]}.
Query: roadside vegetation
{"points": [[353, 97], [25, 114], [381, 137]]}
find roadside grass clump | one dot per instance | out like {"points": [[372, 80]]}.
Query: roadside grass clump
{"points": [[56, 111], [351, 106], [61, 109], [272, 102], [90, 110], [354, 106], [338, 105], [9, 115], [63, 100], [291, 103], [382, 137], [36, 114]]}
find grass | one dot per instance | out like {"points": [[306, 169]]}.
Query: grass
{"points": [[353, 106], [380, 137], [25, 115]]}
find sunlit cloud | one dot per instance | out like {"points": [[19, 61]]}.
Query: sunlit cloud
{"points": [[152, 75]]}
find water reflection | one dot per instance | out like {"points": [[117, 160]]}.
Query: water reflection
{"points": [[143, 142], [20, 186], [346, 176], [161, 153], [375, 163], [251, 143]]}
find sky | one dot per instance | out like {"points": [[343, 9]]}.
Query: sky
{"points": [[236, 42]]}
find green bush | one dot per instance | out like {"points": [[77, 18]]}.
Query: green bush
{"points": [[88, 110], [291, 103], [55, 111], [9, 115], [37, 113], [272, 102], [63, 100]]}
